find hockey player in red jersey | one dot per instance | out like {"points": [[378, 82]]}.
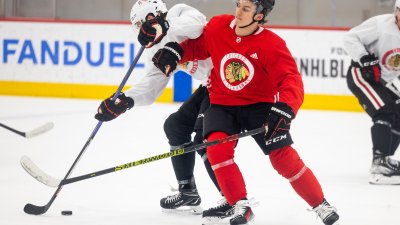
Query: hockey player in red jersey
{"points": [[254, 83]]}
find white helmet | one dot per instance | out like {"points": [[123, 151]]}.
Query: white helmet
{"points": [[142, 8], [397, 4]]}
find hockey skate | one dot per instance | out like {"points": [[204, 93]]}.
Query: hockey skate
{"points": [[186, 201], [219, 214], [385, 170], [327, 213], [243, 213]]}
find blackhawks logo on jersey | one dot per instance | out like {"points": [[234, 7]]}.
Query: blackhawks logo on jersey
{"points": [[391, 59], [236, 71], [394, 61]]}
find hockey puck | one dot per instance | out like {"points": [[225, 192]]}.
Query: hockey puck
{"points": [[66, 213]]}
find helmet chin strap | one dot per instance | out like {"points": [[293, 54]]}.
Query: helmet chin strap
{"points": [[249, 23]]}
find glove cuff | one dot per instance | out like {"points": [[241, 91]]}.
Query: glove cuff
{"points": [[283, 109], [128, 100], [175, 49], [369, 60]]}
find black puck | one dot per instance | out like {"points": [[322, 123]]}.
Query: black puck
{"points": [[66, 213]]}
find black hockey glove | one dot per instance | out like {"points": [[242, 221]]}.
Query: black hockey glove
{"points": [[278, 120], [167, 58], [370, 69], [152, 31], [109, 110]]}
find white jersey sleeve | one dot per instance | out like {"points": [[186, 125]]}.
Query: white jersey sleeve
{"points": [[185, 23], [378, 35], [146, 89], [356, 40], [198, 69]]}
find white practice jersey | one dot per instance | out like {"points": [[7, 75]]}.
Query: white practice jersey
{"points": [[378, 35], [185, 23]]}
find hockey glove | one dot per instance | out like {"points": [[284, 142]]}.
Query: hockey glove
{"points": [[370, 69], [167, 58], [152, 31], [109, 110], [278, 120]]}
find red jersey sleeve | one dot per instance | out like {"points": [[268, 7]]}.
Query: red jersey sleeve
{"points": [[287, 77], [194, 49]]}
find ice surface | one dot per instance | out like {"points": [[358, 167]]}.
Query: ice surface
{"points": [[335, 145]]}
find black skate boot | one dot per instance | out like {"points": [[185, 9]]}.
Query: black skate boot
{"points": [[216, 214], [327, 213], [243, 213], [384, 170], [186, 201]]}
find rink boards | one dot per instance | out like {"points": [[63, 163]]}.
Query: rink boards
{"points": [[78, 59]]}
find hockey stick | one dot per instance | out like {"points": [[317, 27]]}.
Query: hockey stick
{"points": [[32, 133], [37, 210], [50, 181], [393, 85]]}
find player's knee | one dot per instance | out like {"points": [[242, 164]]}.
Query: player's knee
{"points": [[386, 119], [177, 129], [286, 162], [221, 153], [169, 124]]}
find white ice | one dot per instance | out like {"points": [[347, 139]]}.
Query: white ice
{"points": [[335, 145]]}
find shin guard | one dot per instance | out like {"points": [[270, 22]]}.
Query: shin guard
{"points": [[228, 175], [288, 163]]}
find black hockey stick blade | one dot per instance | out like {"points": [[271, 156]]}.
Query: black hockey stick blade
{"points": [[34, 210]]}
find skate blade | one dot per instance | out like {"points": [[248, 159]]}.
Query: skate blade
{"points": [[215, 221], [188, 210], [380, 179]]}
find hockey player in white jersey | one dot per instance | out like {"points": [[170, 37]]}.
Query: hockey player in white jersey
{"points": [[155, 26], [374, 78]]}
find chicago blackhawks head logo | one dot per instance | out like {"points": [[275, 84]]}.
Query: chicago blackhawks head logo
{"points": [[391, 59], [236, 71], [394, 61]]}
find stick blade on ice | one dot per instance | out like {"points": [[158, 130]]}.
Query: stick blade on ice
{"points": [[40, 130], [34, 210], [30, 167]]}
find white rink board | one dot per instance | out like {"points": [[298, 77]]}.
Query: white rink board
{"points": [[28, 53], [80, 53]]}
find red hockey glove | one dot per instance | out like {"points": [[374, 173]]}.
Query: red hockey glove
{"points": [[109, 110], [152, 31], [278, 120], [167, 58], [370, 69]]}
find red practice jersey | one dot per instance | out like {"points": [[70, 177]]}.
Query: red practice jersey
{"points": [[247, 69]]}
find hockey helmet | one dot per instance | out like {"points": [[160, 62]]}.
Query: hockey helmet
{"points": [[144, 8], [264, 7], [397, 4]]}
